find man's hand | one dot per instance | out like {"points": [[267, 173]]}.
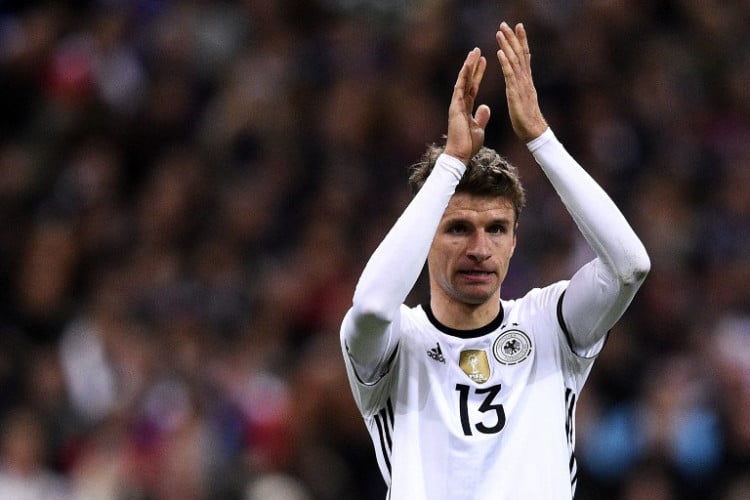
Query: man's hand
{"points": [[515, 60], [466, 132]]}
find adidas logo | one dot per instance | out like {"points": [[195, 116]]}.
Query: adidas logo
{"points": [[436, 353]]}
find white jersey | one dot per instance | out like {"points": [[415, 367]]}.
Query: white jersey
{"points": [[487, 413], [493, 407]]}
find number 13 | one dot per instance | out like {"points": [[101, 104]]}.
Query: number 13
{"points": [[487, 405]]}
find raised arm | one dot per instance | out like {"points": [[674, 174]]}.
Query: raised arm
{"points": [[599, 292], [368, 330]]}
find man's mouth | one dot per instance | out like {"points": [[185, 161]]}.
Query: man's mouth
{"points": [[476, 274]]}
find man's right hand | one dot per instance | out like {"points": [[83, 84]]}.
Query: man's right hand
{"points": [[466, 132]]}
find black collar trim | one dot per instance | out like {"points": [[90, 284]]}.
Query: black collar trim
{"points": [[465, 334]]}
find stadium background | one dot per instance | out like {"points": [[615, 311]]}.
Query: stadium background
{"points": [[188, 190]]}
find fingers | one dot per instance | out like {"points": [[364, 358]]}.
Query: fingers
{"points": [[514, 54], [477, 75], [468, 81], [511, 40], [466, 75], [524, 41], [466, 132], [515, 60]]}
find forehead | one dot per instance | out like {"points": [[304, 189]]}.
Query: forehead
{"points": [[464, 205]]}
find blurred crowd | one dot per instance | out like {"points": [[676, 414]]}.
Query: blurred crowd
{"points": [[190, 188]]}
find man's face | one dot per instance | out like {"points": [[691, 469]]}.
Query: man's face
{"points": [[471, 251]]}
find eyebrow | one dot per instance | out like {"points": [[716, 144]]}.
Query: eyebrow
{"points": [[505, 222], [453, 219]]}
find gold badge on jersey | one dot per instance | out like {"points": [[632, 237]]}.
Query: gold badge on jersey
{"points": [[475, 364]]}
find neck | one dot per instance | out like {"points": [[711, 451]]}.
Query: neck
{"points": [[463, 316]]}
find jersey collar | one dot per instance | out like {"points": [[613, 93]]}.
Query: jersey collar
{"points": [[465, 334]]}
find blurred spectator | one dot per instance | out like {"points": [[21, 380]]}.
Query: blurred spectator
{"points": [[23, 473]]}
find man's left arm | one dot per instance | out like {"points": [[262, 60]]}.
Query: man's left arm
{"points": [[599, 292]]}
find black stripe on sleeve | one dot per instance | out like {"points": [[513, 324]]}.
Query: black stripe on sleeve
{"points": [[570, 402], [561, 321], [570, 399], [384, 449], [386, 427]]}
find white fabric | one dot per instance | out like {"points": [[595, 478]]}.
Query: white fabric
{"points": [[395, 266], [599, 292], [403, 366]]}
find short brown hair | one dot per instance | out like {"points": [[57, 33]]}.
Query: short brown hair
{"points": [[488, 174]]}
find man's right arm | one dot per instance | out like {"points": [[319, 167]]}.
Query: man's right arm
{"points": [[368, 330]]}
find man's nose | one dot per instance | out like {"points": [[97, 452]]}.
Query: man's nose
{"points": [[478, 249]]}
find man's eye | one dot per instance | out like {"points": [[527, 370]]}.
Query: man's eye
{"points": [[497, 228], [457, 229]]}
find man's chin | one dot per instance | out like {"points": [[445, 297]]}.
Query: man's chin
{"points": [[474, 297]]}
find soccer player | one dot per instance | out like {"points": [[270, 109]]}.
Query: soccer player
{"points": [[472, 396]]}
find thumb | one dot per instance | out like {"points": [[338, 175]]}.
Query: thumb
{"points": [[482, 116]]}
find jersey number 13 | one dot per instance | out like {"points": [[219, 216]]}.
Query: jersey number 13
{"points": [[487, 405]]}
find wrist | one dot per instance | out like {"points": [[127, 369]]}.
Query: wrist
{"points": [[452, 164], [537, 142], [456, 155]]}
